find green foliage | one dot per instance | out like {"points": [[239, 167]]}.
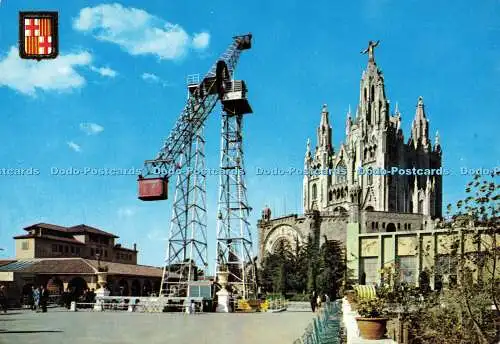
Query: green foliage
{"points": [[303, 268], [331, 268], [462, 312], [371, 308]]}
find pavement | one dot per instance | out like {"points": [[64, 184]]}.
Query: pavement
{"points": [[59, 325]]}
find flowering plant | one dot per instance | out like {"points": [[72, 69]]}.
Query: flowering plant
{"points": [[371, 308]]}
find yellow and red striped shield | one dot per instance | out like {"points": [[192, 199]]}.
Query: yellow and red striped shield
{"points": [[38, 35]]}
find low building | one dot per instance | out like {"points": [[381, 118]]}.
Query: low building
{"points": [[70, 257]]}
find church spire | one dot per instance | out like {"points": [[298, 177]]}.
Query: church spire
{"points": [[325, 131], [348, 122], [373, 104], [437, 143], [420, 126]]}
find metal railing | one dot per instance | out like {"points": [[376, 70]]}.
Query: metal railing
{"points": [[326, 328]]}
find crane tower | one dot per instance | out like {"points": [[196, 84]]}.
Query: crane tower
{"points": [[183, 155]]}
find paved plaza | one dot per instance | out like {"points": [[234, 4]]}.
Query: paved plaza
{"points": [[83, 327]]}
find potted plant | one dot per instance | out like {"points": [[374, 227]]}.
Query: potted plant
{"points": [[372, 323]]}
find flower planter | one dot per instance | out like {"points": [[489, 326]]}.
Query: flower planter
{"points": [[372, 328]]}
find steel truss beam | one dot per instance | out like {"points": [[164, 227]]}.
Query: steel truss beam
{"points": [[187, 253], [234, 239]]}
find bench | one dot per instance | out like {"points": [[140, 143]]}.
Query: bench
{"points": [[365, 292]]}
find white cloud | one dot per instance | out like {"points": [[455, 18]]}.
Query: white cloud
{"points": [[26, 76], [136, 31], [150, 77], [74, 146], [104, 71], [201, 40], [91, 128], [126, 212]]}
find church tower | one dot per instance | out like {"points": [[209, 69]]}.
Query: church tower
{"points": [[372, 121], [316, 183]]}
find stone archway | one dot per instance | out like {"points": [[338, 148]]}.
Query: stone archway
{"points": [[78, 285], [147, 288], [391, 227], [55, 286], [135, 288], [123, 289], [283, 233]]}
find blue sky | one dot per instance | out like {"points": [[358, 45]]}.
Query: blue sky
{"points": [[113, 95]]}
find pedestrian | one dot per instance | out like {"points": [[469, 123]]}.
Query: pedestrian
{"points": [[313, 301], [36, 298], [318, 303], [44, 298], [327, 299], [3, 299]]}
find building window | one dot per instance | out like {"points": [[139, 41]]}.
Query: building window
{"points": [[369, 176], [420, 207], [408, 269], [66, 249], [54, 248], [399, 226], [106, 253], [368, 268], [92, 253], [341, 172], [314, 191], [25, 245], [60, 249], [78, 250], [72, 249], [446, 270]]}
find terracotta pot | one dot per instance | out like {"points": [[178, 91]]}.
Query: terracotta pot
{"points": [[372, 328]]}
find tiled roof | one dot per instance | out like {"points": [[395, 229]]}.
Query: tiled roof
{"points": [[60, 266], [6, 261], [46, 225], [50, 237], [18, 265], [78, 266], [120, 247], [129, 269], [71, 230], [88, 229]]}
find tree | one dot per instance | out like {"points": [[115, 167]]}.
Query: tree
{"points": [[331, 267], [462, 312]]}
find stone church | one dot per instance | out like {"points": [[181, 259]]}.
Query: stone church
{"points": [[350, 188]]}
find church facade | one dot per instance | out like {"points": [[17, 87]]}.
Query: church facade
{"points": [[375, 182]]}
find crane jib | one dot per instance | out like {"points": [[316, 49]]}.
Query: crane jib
{"points": [[199, 105]]}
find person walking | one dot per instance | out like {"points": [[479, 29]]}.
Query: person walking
{"points": [[313, 301], [3, 299], [44, 298], [36, 298], [318, 303]]}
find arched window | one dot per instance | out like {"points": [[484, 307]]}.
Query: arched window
{"points": [[420, 207], [330, 196], [314, 191], [341, 172], [369, 176]]}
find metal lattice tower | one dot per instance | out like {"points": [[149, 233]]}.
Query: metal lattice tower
{"points": [[182, 154], [234, 239], [187, 253]]}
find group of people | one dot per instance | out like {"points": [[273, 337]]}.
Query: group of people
{"points": [[38, 299], [317, 300]]}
